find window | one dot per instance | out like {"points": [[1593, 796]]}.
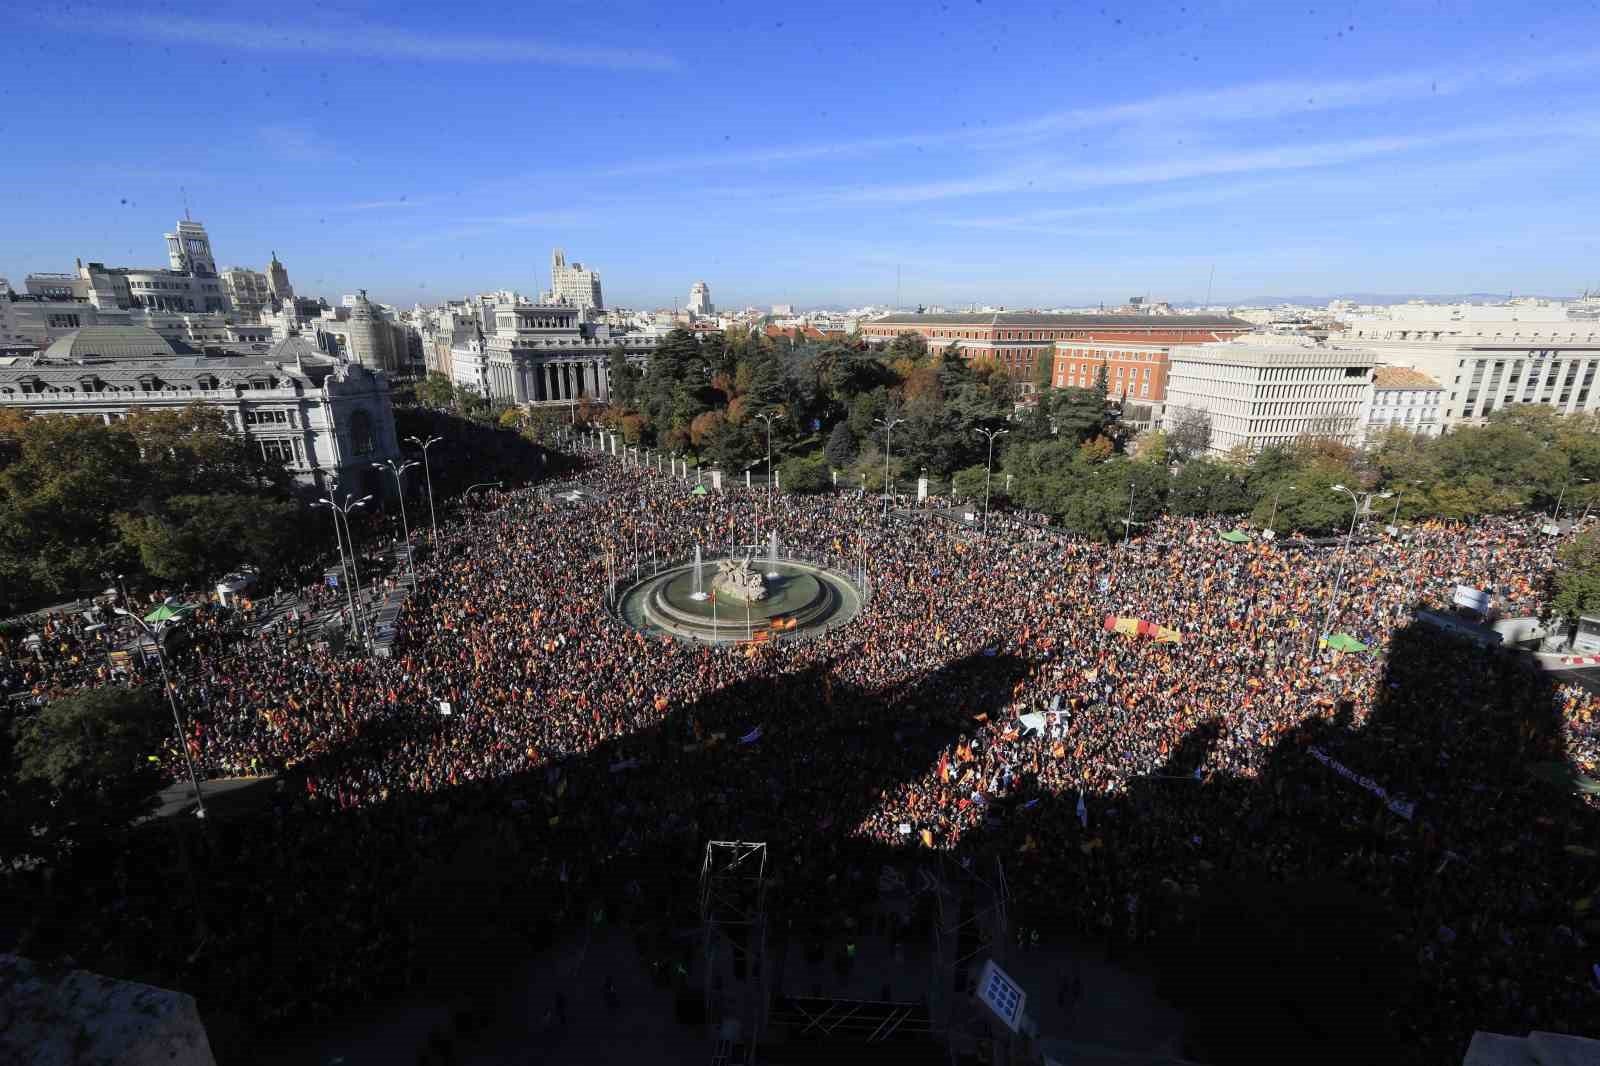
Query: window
{"points": [[277, 451], [361, 433]]}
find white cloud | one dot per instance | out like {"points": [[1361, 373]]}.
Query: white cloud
{"points": [[1253, 102], [346, 38]]}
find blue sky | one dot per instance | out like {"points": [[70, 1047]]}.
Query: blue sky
{"points": [[1031, 155]]}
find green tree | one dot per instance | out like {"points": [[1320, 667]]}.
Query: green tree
{"points": [[1577, 576], [805, 475], [1207, 486], [623, 378], [912, 346], [841, 448], [190, 539], [968, 482], [1078, 414], [436, 390], [92, 752]]}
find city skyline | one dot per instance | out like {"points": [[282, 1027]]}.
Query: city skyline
{"points": [[1177, 155]]}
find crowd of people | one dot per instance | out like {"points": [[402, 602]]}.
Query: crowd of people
{"points": [[525, 756]]}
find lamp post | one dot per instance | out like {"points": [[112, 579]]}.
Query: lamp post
{"points": [[467, 491], [172, 701], [888, 428], [1274, 517], [338, 539], [1555, 516], [427, 469], [1127, 523], [355, 570], [988, 472], [768, 417], [1363, 502], [399, 469]]}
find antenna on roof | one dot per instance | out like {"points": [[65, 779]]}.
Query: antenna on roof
{"points": [[1209, 280], [185, 194]]}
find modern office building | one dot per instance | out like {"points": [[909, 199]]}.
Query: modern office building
{"points": [[323, 417], [1017, 340], [1262, 390], [574, 284]]}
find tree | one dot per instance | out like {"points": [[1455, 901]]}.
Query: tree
{"points": [[1578, 576], [807, 475], [1207, 486], [190, 539], [1188, 433], [622, 378], [909, 346], [1043, 371], [436, 390], [1078, 414], [841, 448], [92, 752], [968, 482]]}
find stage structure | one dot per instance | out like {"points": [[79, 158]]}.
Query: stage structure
{"points": [[974, 916], [733, 916]]}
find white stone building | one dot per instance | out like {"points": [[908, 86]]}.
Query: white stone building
{"points": [[1406, 399], [1261, 390], [1488, 357], [248, 290], [323, 417], [574, 284], [700, 304], [539, 353]]}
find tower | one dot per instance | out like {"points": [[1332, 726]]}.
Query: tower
{"points": [[189, 250], [700, 299], [278, 286]]}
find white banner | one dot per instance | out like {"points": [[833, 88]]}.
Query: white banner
{"points": [[1472, 599], [1399, 806]]}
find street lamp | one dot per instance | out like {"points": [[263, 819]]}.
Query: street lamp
{"points": [[427, 468], [1127, 523], [353, 586], [1555, 516], [1274, 517], [399, 487], [988, 472], [888, 427], [1363, 502], [172, 701], [768, 417]]}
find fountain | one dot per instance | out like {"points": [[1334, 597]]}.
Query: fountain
{"points": [[772, 554], [699, 592]]}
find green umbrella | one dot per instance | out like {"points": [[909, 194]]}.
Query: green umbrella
{"points": [[698, 490], [1233, 536], [161, 614], [1344, 642]]}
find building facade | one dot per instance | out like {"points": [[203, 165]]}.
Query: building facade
{"points": [[540, 353], [278, 288], [1264, 390], [1486, 358], [1134, 373], [574, 284], [700, 300], [324, 418], [1018, 340], [248, 291], [1406, 399]]}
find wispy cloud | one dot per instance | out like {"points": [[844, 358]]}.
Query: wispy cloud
{"points": [[346, 38], [1255, 101], [1057, 173]]}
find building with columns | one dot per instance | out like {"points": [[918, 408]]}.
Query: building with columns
{"points": [[323, 417], [543, 353]]}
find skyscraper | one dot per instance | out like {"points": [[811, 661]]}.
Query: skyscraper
{"points": [[573, 285], [278, 281], [700, 299]]}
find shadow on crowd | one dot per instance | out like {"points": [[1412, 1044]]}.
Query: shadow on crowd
{"points": [[1295, 914]]}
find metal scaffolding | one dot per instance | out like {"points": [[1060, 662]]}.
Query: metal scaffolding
{"points": [[974, 911], [733, 915]]}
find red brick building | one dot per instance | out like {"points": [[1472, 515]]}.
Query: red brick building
{"points": [[1016, 340]]}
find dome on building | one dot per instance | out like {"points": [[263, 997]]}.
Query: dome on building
{"points": [[110, 342], [296, 349]]}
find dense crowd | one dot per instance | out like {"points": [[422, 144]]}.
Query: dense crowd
{"points": [[523, 744]]}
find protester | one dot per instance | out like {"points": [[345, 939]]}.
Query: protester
{"points": [[510, 670]]}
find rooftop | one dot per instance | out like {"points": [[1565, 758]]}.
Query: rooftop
{"points": [[1402, 377], [1066, 321], [110, 342]]}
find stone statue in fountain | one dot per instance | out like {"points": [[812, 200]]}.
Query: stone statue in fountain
{"points": [[737, 581]]}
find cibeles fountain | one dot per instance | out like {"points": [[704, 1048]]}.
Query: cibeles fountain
{"points": [[740, 597]]}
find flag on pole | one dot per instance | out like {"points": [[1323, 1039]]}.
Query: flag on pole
{"points": [[752, 736]]}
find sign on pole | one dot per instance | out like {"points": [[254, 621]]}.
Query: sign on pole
{"points": [[1002, 995]]}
